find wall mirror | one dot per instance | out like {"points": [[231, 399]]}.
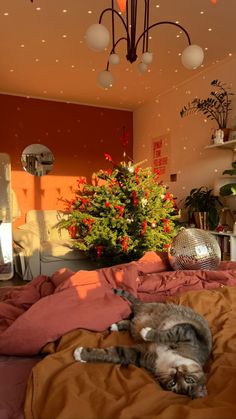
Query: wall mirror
{"points": [[6, 254], [37, 159]]}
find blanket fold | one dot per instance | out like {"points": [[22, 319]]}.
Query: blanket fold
{"points": [[72, 390], [45, 309]]}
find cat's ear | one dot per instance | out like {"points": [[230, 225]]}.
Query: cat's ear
{"points": [[199, 391]]}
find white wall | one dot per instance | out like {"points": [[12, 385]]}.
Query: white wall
{"points": [[194, 165]]}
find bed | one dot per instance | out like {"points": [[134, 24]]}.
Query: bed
{"points": [[43, 322]]}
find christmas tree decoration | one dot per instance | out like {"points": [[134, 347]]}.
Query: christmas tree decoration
{"points": [[125, 213]]}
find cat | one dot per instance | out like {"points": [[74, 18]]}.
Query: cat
{"points": [[173, 343]]}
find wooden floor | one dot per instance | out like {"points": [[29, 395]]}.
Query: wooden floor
{"points": [[15, 281]]}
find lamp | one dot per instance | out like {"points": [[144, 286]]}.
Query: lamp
{"points": [[97, 37]]}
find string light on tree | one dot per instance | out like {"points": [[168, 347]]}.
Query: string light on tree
{"points": [[124, 213]]}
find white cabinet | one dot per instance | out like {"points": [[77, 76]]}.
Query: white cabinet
{"points": [[227, 242]]}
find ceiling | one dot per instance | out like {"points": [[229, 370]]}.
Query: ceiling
{"points": [[44, 54]]}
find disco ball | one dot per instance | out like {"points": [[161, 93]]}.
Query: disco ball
{"points": [[193, 248]]}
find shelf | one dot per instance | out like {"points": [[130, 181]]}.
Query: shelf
{"points": [[230, 245], [230, 145], [222, 233]]}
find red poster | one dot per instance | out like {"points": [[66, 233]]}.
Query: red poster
{"points": [[161, 152]]}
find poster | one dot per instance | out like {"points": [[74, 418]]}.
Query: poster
{"points": [[161, 156]]}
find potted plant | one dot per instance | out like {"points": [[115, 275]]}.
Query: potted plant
{"points": [[216, 107], [203, 208], [229, 188]]}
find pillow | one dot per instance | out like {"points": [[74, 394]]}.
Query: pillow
{"points": [[58, 234], [31, 226], [152, 262]]}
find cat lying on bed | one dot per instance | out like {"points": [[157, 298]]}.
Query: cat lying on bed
{"points": [[173, 343]]}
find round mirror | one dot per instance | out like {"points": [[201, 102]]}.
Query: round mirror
{"points": [[37, 159]]}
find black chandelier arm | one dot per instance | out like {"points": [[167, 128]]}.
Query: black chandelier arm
{"points": [[109, 9], [113, 23], [113, 48], [146, 25], [164, 22], [133, 26]]}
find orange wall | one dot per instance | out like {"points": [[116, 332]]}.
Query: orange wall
{"points": [[77, 135], [194, 165]]}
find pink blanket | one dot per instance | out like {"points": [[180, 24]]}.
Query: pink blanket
{"points": [[45, 309]]}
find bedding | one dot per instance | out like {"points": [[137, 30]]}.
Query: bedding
{"points": [[50, 316], [64, 389]]}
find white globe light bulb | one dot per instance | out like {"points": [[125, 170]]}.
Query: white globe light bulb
{"points": [[142, 67], [114, 59], [192, 57], [105, 79], [146, 58], [97, 37]]}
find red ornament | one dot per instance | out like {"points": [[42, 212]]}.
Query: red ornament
{"points": [[136, 175], [108, 157], [135, 200], [84, 201], [99, 250], [89, 223], [166, 227], [144, 227], [81, 181], [72, 231], [120, 208], [169, 196], [124, 242], [107, 172]]}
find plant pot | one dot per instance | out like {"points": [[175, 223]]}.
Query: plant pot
{"points": [[200, 220]]}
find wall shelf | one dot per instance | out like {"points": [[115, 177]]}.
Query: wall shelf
{"points": [[228, 145], [227, 242]]}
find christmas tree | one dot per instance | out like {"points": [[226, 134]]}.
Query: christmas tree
{"points": [[126, 212]]}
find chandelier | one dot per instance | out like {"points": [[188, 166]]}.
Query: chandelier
{"points": [[97, 37]]}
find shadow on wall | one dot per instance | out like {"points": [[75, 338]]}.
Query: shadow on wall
{"points": [[44, 192]]}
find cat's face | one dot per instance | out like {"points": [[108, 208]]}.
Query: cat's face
{"points": [[184, 380]]}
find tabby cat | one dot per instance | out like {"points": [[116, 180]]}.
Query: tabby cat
{"points": [[173, 343]]}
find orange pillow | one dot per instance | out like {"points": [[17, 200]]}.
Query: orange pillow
{"points": [[152, 262]]}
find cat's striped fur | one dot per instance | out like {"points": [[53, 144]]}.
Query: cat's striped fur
{"points": [[173, 342]]}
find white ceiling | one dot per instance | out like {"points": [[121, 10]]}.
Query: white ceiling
{"points": [[44, 54]]}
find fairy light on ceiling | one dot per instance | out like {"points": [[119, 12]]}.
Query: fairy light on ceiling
{"points": [[207, 8]]}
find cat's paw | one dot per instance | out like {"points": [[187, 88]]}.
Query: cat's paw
{"points": [[144, 332], [114, 327], [77, 354]]}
